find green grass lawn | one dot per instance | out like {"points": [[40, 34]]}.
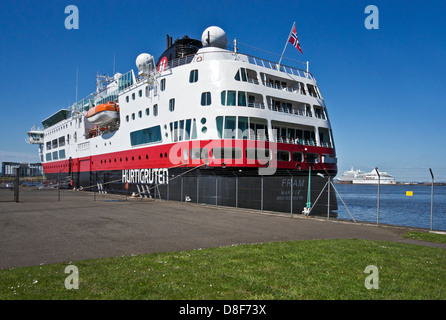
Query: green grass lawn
{"points": [[316, 269], [426, 236]]}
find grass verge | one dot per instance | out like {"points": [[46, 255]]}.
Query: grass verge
{"points": [[316, 269], [426, 236]]}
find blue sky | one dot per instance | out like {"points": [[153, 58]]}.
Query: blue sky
{"points": [[384, 89]]}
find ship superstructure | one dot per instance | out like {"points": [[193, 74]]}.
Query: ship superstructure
{"points": [[199, 106]]}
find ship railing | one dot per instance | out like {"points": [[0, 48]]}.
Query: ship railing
{"points": [[291, 89], [290, 110], [275, 66], [252, 80], [251, 59], [258, 105], [291, 140], [259, 137], [180, 61]]}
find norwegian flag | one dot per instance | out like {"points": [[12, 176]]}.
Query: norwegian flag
{"points": [[294, 40]]}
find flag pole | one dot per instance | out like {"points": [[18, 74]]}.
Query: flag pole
{"points": [[287, 40]]}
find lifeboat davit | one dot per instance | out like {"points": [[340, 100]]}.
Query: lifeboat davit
{"points": [[103, 114]]}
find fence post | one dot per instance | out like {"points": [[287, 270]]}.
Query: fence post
{"points": [[379, 183], [16, 185], [291, 196], [181, 188], [432, 197], [58, 186], [261, 194], [236, 192], [328, 204], [198, 188]]}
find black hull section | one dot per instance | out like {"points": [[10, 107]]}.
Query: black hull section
{"points": [[281, 192]]}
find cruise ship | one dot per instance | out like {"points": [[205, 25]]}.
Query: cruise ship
{"points": [[202, 123], [361, 177]]}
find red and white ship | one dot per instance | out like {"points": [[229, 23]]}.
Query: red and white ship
{"points": [[200, 111]]}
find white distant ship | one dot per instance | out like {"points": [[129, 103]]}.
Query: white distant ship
{"points": [[361, 177]]}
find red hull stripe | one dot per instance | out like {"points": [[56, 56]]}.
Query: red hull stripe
{"points": [[172, 155]]}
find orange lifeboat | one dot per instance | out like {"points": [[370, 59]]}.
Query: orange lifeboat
{"points": [[103, 114]]}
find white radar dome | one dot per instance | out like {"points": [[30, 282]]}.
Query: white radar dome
{"points": [[144, 62], [214, 37]]}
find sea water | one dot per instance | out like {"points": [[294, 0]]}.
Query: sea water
{"points": [[395, 206]]}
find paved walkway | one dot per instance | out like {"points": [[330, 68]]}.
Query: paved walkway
{"points": [[41, 230]]}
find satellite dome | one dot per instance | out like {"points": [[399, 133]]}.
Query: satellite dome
{"points": [[214, 37], [144, 62]]}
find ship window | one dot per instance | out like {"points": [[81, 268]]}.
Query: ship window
{"points": [[140, 113], [297, 156], [133, 116], [194, 130], [133, 96], [193, 76], [187, 133], [127, 99], [155, 110], [219, 126], [172, 105], [55, 155], [147, 111], [199, 153], [48, 156], [62, 141], [48, 145], [62, 154], [227, 153], [283, 155], [180, 134], [163, 84], [140, 93], [324, 137], [230, 128], [328, 158], [241, 72], [148, 135], [54, 144], [205, 98], [242, 132], [312, 157], [312, 91], [231, 98], [127, 118], [257, 153], [242, 99]]}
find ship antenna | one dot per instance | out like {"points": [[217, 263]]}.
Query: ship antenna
{"points": [[114, 63], [77, 79]]}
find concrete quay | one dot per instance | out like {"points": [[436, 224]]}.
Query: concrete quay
{"points": [[39, 229]]}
